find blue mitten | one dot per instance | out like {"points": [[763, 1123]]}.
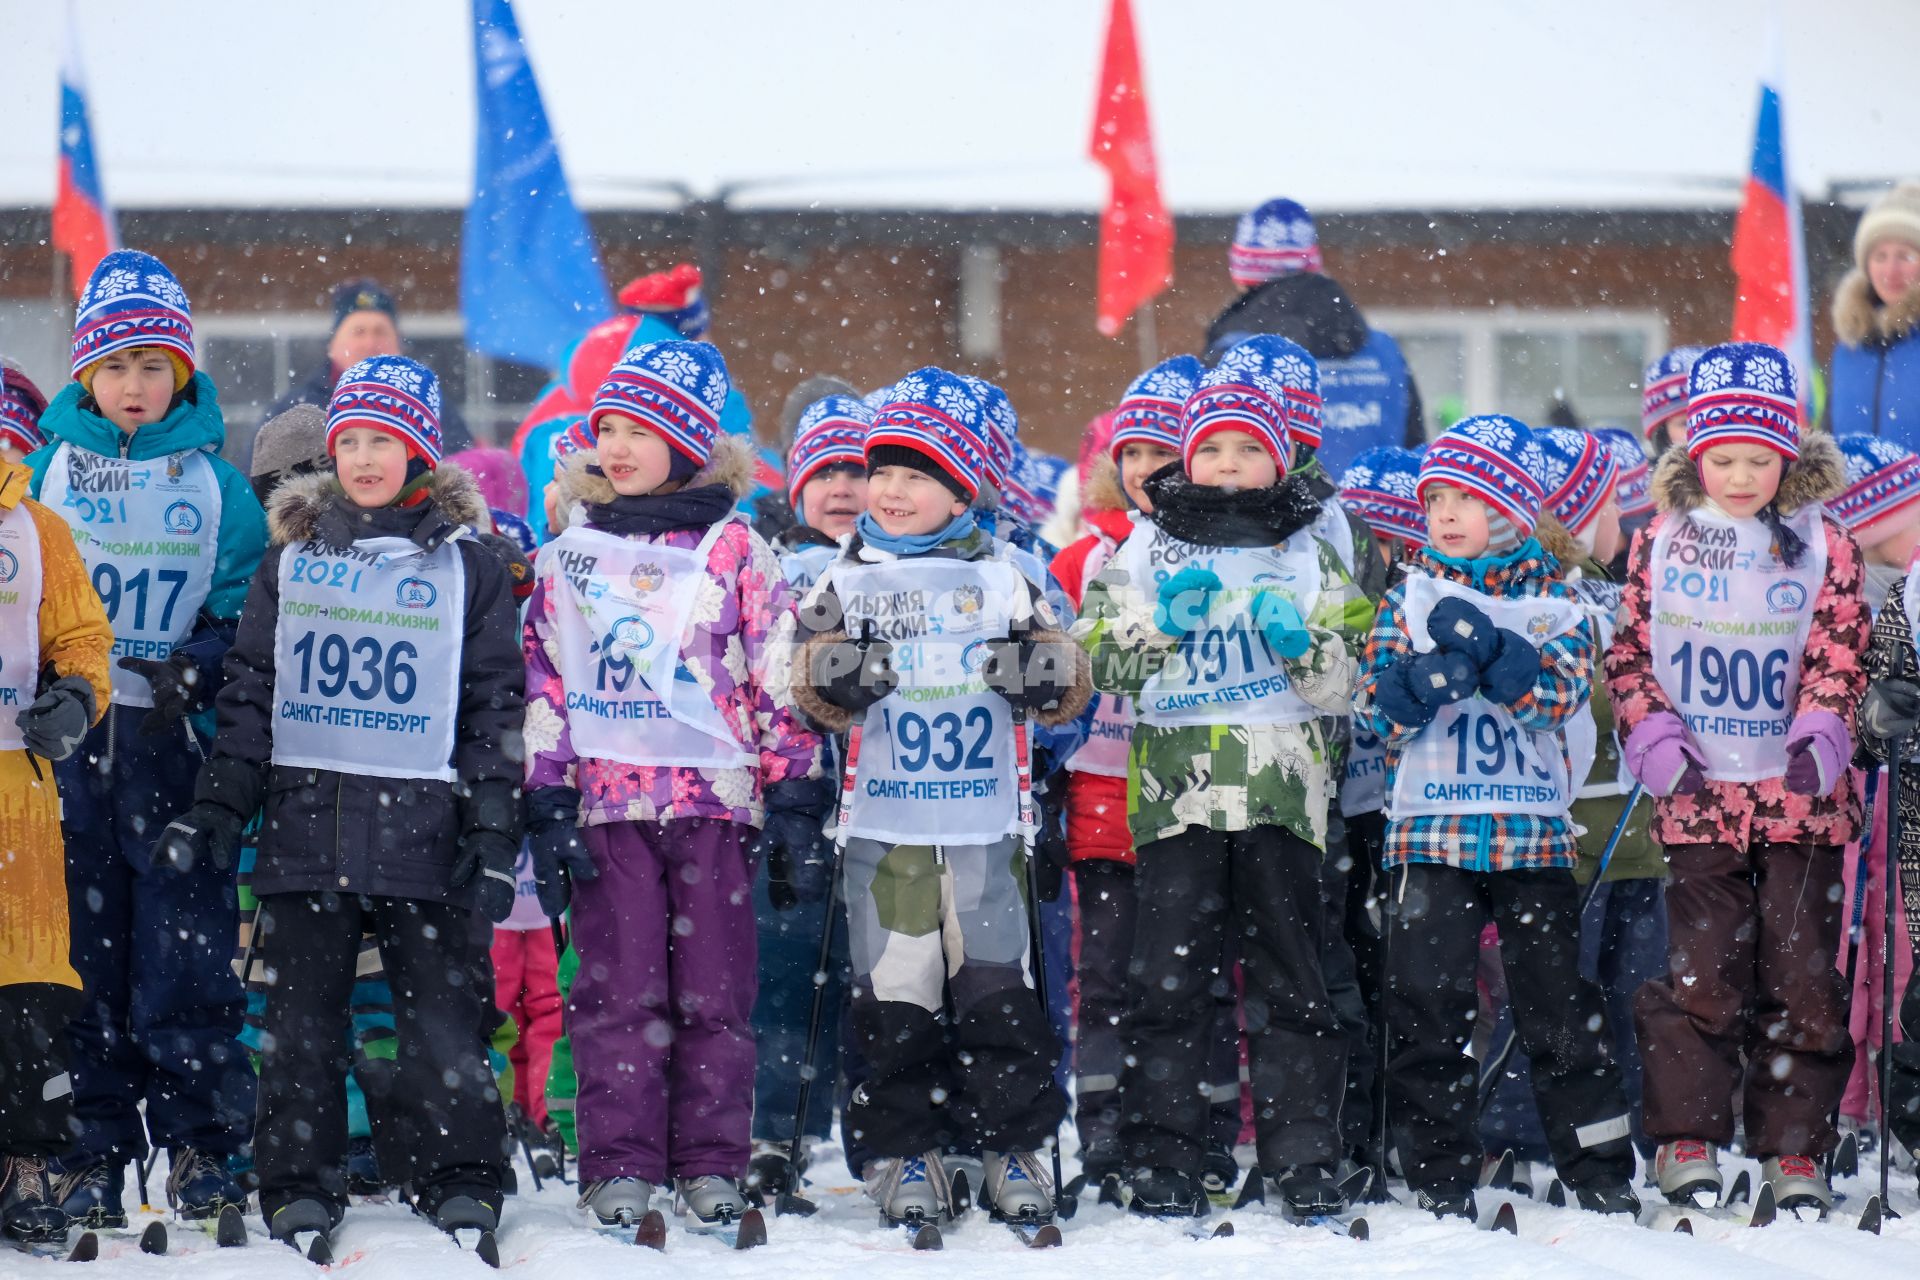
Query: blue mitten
{"points": [[1506, 677], [1459, 626], [1184, 600], [1412, 690], [1280, 622]]}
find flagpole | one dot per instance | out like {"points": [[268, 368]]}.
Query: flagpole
{"points": [[1146, 332]]}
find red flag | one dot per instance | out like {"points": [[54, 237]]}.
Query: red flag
{"points": [[1136, 235], [83, 224]]}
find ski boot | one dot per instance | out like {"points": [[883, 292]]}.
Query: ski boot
{"points": [[28, 1212], [1688, 1172], [1309, 1190], [1797, 1183], [617, 1202], [912, 1191], [1166, 1193], [1219, 1175], [770, 1173], [198, 1184], [90, 1195], [1014, 1188], [711, 1201], [1608, 1197], [363, 1169], [305, 1226], [1448, 1204]]}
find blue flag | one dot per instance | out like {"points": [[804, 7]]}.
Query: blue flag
{"points": [[530, 276]]}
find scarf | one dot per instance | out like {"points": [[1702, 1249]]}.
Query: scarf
{"points": [[1210, 517], [911, 544], [643, 515]]}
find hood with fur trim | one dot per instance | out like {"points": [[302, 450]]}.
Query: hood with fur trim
{"points": [[1558, 543], [1859, 317], [1104, 491], [1816, 475], [312, 505], [731, 463]]}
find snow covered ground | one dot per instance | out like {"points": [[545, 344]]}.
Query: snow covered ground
{"points": [[541, 1240]]}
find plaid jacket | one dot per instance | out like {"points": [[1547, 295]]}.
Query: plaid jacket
{"points": [[1482, 841]]}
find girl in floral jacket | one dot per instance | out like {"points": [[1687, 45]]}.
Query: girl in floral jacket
{"points": [[1735, 667], [655, 746]]}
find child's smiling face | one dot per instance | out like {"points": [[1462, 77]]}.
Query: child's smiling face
{"points": [[634, 458], [906, 501], [371, 465], [833, 498]]}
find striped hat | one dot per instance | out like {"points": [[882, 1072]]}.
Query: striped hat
{"points": [[1883, 480], [934, 416], [1275, 240], [1743, 393], [1579, 473], [1493, 457], [391, 394], [1241, 398], [1149, 411], [573, 437], [21, 405], [1380, 489], [832, 432], [132, 300], [1663, 391], [1298, 374], [1002, 426], [674, 296], [1634, 488], [676, 389]]}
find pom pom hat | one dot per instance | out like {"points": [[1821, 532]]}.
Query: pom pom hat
{"points": [[1743, 393], [1496, 459], [132, 300], [1883, 481], [1663, 390], [1149, 411], [1275, 240], [676, 389], [1579, 475], [1236, 398], [932, 421], [832, 432], [392, 394], [674, 296], [1634, 487], [1381, 488], [1298, 374]]}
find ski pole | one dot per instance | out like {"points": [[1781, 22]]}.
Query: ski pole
{"points": [[1036, 947], [1886, 963], [1383, 893], [1863, 871]]}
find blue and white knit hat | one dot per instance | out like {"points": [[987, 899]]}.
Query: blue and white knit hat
{"points": [[832, 432], [1496, 459], [935, 415], [1883, 480], [1380, 488], [1663, 391], [392, 394], [1149, 411], [1579, 474], [1236, 398], [1002, 426], [132, 300], [1634, 487], [572, 438], [1298, 374], [21, 405], [676, 389], [1274, 240], [1743, 393]]}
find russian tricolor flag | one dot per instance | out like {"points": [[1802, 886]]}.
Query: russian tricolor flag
{"points": [[83, 226], [1769, 246]]}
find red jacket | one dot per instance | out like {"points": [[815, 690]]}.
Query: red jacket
{"points": [[1096, 805]]}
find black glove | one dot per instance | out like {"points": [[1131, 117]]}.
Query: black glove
{"points": [[1891, 710], [58, 720], [225, 794], [794, 842], [178, 690], [855, 674], [490, 824], [559, 855], [1027, 673]]}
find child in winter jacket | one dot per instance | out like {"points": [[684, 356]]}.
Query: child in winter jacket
{"points": [[1736, 665], [170, 533], [1231, 625], [925, 635], [1478, 662], [54, 641], [370, 693], [656, 747], [21, 405]]}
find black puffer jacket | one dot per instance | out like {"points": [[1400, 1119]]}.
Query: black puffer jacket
{"points": [[357, 833]]}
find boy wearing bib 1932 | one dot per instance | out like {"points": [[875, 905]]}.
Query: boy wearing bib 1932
{"points": [[1477, 663], [925, 633], [1734, 671]]}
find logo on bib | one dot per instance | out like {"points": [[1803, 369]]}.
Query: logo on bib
{"points": [[174, 469], [1786, 597], [181, 518], [9, 565], [968, 599], [630, 635], [647, 578], [415, 593], [1540, 626], [974, 657]]}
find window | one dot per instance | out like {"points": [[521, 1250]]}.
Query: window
{"points": [[1519, 362]]}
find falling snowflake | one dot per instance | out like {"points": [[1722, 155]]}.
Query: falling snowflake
{"points": [[1766, 375], [1711, 375], [677, 367]]}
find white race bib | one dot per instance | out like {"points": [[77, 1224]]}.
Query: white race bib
{"points": [[622, 608], [19, 622], [149, 532], [366, 656], [1331, 527], [1474, 758], [1729, 623], [802, 566], [1364, 788]]}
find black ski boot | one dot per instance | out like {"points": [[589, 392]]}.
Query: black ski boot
{"points": [[28, 1211], [1449, 1204], [1609, 1197], [1166, 1193], [770, 1173], [1309, 1190], [1219, 1175], [306, 1226], [363, 1169], [461, 1208]]}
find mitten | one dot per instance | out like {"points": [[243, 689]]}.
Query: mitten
{"points": [[1184, 599]]}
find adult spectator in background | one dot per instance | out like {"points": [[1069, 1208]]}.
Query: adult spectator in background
{"points": [[1874, 387], [1371, 398]]}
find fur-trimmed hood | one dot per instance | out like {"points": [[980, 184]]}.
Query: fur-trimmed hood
{"points": [[1859, 317], [1556, 541], [1104, 491], [1816, 475], [731, 463], [309, 506]]}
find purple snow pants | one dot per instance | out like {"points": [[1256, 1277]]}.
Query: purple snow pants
{"points": [[660, 1011]]}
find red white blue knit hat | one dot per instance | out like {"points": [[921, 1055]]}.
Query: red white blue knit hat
{"points": [[832, 432], [572, 438], [21, 405], [1274, 240], [132, 300], [1743, 393], [1578, 473], [1634, 487], [392, 394], [1663, 391], [674, 296], [936, 415], [1883, 480], [1149, 411], [1496, 459], [676, 389], [1298, 374], [1236, 399], [1380, 487], [1002, 428]]}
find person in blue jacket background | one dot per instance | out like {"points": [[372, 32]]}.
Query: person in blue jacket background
{"points": [[1875, 384]]}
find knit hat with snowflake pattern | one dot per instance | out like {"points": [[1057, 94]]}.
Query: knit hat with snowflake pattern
{"points": [[21, 405], [933, 422], [391, 394], [1743, 393], [1237, 397], [1497, 460], [132, 300], [1579, 475], [1634, 487], [1001, 428], [1298, 374], [1380, 488], [832, 432], [1275, 240], [1149, 411], [1883, 484], [1663, 389], [674, 389]]}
